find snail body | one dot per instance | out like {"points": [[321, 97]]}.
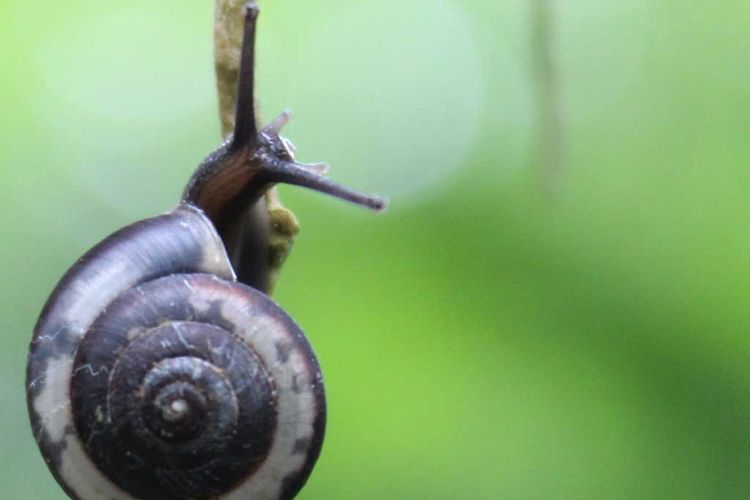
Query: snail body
{"points": [[157, 371]]}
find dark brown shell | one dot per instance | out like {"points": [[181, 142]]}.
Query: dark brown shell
{"points": [[157, 291]]}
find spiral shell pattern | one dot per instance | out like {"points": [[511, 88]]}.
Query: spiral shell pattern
{"points": [[154, 375]]}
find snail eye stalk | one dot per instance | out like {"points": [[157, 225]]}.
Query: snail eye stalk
{"points": [[245, 125]]}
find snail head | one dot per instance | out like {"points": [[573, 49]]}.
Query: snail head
{"points": [[253, 159]]}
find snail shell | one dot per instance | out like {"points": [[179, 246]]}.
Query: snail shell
{"points": [[155, 372], [154, 375]]}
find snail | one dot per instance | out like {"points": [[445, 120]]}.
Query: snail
{"points": [[159, 368]]}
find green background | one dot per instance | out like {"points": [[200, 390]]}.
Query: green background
{"points": [[484, 338]]}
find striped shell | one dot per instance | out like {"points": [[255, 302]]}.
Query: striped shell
{"points": [[154, 374]]}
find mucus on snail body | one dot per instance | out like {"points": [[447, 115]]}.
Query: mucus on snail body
{"points": [[156, 370]]}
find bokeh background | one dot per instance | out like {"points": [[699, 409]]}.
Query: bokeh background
{"points": [[488, 337]]}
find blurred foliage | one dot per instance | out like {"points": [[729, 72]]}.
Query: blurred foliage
{"points": [[481, 339]]}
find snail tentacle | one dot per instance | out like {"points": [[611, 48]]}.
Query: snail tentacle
{"points": [[245, 125]]}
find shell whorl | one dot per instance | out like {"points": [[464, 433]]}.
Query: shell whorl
{"points": [[153, 374]]}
